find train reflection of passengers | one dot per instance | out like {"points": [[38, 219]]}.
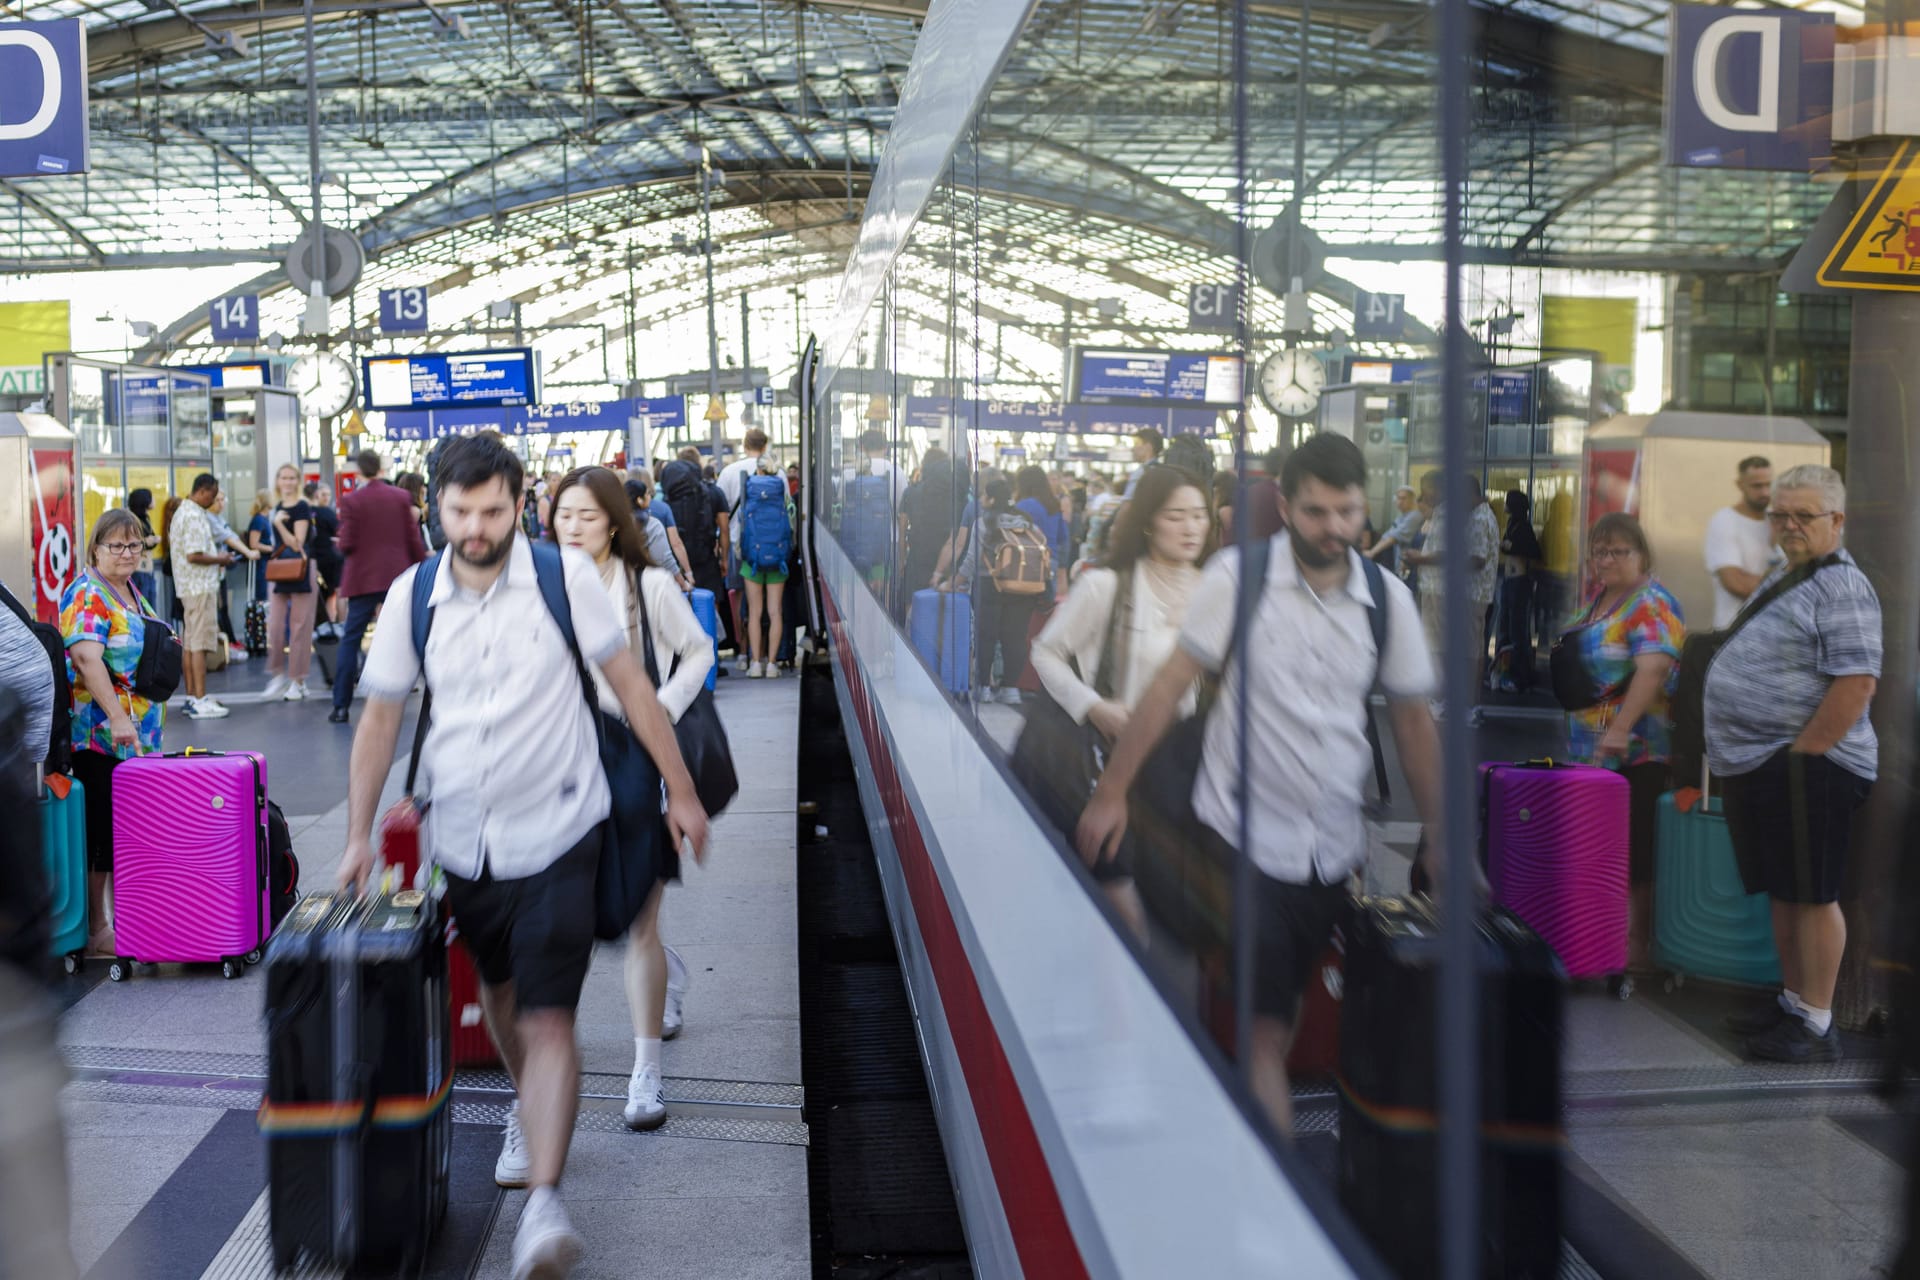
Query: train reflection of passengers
{"points": [[1101, 649]]}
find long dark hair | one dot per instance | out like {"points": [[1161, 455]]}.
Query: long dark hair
{"points": [[611, 495], [1031, 482], [1132, 533]]}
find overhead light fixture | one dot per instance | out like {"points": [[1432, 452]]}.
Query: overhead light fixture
{"points": [[502, 310], [143, 328], [231, 45]]}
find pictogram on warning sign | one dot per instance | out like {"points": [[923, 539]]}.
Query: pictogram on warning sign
{"points": [[1880, 249]]}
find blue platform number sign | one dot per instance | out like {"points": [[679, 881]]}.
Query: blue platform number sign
{"points": [[1749, 88], [1379, 317], [404, 310], [43, 98], [235, 318], [1213, 306]]}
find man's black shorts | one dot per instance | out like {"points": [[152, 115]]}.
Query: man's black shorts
{"points": [[1293, 924], [535, 932], [1791, 821]]}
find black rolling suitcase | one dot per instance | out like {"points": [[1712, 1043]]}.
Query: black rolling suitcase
{"points": [[1389, 1079], [256, 614], [359, 1069]]}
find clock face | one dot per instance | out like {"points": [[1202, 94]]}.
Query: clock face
{"points": [[1291, 380], [325, 383]]}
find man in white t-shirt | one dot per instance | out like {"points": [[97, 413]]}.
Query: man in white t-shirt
{"points": [[1307, 671], [1740, 550]]}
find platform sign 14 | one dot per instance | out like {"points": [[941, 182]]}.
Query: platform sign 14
{"points": [[235, 318], [403, 310], [1379, 316]]}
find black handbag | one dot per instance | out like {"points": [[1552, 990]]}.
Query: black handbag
{"points": [[1573, 681], [162, 657], [699, 731], [1055, 760]]}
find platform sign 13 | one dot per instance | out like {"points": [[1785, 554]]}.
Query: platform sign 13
{"points": [[403, 310], [1379, 316], [235, 318]]}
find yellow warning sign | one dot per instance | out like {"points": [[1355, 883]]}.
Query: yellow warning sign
{"points": [[1880, 249]]}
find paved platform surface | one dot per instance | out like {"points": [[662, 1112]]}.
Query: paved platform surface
{"points": [[165, 1162]]}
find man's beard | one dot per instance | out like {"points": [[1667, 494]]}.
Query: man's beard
{"points": [[493, 555], [1310, 554]]}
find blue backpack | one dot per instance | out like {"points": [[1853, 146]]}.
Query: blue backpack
{"points": [[866, 522], [766, 535]]}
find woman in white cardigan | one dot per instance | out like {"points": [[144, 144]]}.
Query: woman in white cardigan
{"points": [[591, 512], [1127, 613]]}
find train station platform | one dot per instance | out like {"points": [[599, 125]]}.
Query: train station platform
{"points": [[168, 1169]]}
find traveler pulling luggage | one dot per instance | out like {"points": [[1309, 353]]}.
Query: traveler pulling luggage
{"points": [[1389, 1081], [1705, 924], [191, 879], [63, 838], [1555, 838], [940, 624], [359, 1136]]}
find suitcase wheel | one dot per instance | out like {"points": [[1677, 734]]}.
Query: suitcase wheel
{"points": [[72, 962], [119, 970], [253, 956], [283, 1255], [1675, 981], [232, 968], [1620, 986]]}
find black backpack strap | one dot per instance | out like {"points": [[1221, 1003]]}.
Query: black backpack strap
{"points": [[1377, 622], [421, 618]]}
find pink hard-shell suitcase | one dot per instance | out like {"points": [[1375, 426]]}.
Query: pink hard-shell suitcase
{"points": [[1555, 838], [190, 867]]}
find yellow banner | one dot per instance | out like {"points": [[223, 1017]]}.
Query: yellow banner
{"points": [[28, 330], [1606, 325]]}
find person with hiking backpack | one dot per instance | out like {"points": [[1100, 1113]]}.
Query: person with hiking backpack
{"points": [[1011, 569], [766, 547]]}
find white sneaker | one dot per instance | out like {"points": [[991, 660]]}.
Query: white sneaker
{"points": [[761, 671], [746, 666], [276, 686], [237, 652], [645, 1110], [514, 1166], [677, 977], [206, 709], [295, 691], [546, 1247]]}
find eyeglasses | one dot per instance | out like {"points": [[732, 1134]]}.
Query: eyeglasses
{"points": [[1797, 519], [1613, 553], [122, 548]]}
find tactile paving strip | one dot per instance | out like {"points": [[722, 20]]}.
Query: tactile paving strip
{"points": [[248, 1254]]}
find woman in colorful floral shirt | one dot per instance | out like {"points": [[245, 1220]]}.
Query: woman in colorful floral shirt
{"points": [[101, 618], [1629, 633]]}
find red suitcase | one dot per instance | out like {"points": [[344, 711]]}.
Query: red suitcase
{"points": [[1555, 838], [472, 1046]]}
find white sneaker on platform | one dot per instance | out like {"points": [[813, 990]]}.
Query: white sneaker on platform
{"points": [[205, 709], [645, 1110], [296, 691], [677, 977], [514, 1166], [546, 1247], [276, 687]]}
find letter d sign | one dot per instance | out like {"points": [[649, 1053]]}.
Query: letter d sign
{"points": [[43, 98], [1749, 89]]}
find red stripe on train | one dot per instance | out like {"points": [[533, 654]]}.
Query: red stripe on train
{"points": [[1028, 1196]]}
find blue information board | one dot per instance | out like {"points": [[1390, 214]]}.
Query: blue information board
{"points": [[1159, 377], [938, 413], [43, 98], [666, 413], [404, 310], [1379, 317], [452, 380], [235, 318]]}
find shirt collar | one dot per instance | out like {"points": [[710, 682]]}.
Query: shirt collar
{"points": [[519, 568], [1284, 571]]}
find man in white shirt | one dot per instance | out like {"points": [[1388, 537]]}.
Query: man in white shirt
{"points": [[1740, 550], [1309, 665], [513, 797]]}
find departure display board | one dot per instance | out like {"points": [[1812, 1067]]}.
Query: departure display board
{"points": [[1193, 378], [452, 380]]}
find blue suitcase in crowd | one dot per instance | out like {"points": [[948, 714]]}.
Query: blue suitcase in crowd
{"points": [[1705, 924], [709, 615], [941, 627], [63, 835]]}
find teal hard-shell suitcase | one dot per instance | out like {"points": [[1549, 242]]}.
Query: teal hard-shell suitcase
{"points": [[63, 833], [1705, 923]]}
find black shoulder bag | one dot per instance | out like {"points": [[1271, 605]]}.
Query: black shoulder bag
{"points": [[699, 731], [1574, 685], [1056, 760]]}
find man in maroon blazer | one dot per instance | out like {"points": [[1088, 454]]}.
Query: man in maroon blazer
{"points": [[380, 537]]}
